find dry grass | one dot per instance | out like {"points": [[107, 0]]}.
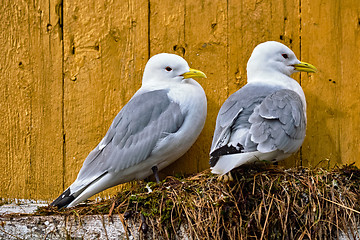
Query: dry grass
{"points": [[261, 203]]}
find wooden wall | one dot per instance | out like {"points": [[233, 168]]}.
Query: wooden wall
{"points": [[67, 68]]}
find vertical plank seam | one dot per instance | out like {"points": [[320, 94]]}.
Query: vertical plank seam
{"points": [[227, 48], [227, 51], [149, 16], [50, 49], [185, 45], [29, 179], [337, 93], [61, 25], [300, 28]]}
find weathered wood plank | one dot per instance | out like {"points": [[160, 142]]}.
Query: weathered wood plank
{"points": [[330, 39], [31, 100], [167, 34], [206, 36], [251, 23], [49, 87], [47, 100], [205, 43], [15, 100], [106, 49], [167, 27]]}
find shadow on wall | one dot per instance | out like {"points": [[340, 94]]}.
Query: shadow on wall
{"points": [[322, 128]]}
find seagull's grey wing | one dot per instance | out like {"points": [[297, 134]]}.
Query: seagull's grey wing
{"points": [[228, 113], [143, 121], [279, 122], [234, 114]]}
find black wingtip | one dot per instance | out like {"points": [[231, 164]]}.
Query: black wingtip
{"points": [[63, 200], [213, 161], [224, 150]]}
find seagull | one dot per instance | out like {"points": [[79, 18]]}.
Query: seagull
{"points": [[266, 119], [156, 127]]}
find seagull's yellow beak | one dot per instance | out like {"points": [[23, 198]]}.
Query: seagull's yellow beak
{"points": [[192, 73], [305, 67]]}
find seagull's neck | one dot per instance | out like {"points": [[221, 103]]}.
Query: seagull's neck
{"points": [[274, 78], [156, 84]]}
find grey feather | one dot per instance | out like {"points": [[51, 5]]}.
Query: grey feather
{"points": [[133, 135], [233, 115], [274, 119], [236, 110], [279, 122]]}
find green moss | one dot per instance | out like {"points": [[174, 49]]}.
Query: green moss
{"points": [[266, 201]]}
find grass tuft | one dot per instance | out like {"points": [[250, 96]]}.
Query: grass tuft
{"points": [[263, 202]]}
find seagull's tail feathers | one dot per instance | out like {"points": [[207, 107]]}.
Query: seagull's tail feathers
{"points": [[63, 200], [79, 191], [228, 162], [104, 182]]}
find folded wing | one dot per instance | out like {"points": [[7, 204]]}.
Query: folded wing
{"points": [[259, 118], [133, 135]]}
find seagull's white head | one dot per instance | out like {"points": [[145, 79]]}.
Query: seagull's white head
{"points": [[165, 67], [274, 58]]}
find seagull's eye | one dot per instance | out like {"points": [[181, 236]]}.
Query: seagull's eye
{"points": [[285, 56], [169, 69]]}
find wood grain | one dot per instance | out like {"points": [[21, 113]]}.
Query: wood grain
{"points": [[68, 67], [105, 54], [331, 40], [31, 100]]}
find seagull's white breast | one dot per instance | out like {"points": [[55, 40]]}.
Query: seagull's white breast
{"points": [[193, 105]]}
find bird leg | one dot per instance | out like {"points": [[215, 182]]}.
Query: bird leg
{"points": [[227, 177], [155, 171]]}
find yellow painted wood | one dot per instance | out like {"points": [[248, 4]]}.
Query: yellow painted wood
{"points": [[167, 34], [250, 23], [30, 100], [105, 51], [72, 75], [204, 27], [331, 41]]}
